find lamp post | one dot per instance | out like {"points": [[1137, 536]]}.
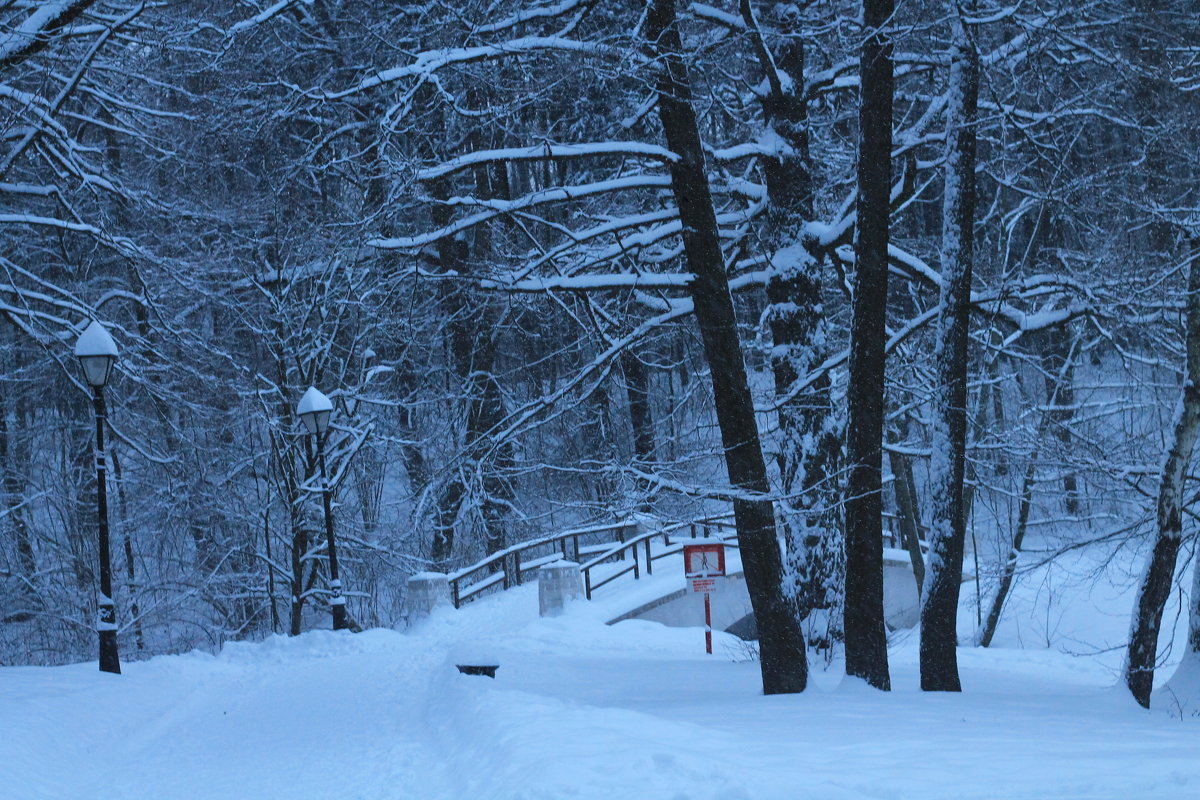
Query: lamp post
{"points": [[314, 410], [97, 352]]}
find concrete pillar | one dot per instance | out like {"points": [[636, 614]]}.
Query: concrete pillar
{"points": [[558, 582], [426, 591]]}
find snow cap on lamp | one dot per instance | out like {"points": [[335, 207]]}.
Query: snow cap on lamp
{"points": [[97, 352], [314, 409]]}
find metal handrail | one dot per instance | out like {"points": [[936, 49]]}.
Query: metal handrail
{"points": [[644, 539], [512, 571], [504, 566], [619, 550]]}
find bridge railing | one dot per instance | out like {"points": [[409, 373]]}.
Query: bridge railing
{"points": [[625, 546], [718, 527], [508, 567], [723, 528], [603, 543]]}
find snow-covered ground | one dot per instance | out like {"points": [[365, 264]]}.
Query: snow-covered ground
{"points": [[578, 710]]}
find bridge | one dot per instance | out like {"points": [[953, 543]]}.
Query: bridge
{"points": [[635, 567]]}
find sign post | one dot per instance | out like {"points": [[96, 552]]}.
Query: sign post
{"points": [[704, 567]]}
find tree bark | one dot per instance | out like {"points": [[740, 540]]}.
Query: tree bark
{"points": [[448, 504], [641, 421], [13, 488], [1156, 584], [473, 344], [641, 413], [1057, 349], [809, 439], [866, 636], [906, 506], [781, 642], [939, 600]]}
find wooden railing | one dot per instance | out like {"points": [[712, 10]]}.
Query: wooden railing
{"points": [[682, 531], [612, 542], [508, 567]]}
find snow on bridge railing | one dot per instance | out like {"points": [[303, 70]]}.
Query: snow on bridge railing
{"points": [[618, 551], [603, 543], [508, 566]]}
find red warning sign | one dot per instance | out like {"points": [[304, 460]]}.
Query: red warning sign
{"points": [[704, 567], [703, 564]]}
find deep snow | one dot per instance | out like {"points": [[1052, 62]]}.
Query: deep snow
{"points": [[578, 710]]}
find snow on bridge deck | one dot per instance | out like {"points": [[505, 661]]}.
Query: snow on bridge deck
{"points": [[635, 570], [665, 596]]}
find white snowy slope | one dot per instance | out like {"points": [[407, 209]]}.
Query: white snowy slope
{"points": [[578, 710]]}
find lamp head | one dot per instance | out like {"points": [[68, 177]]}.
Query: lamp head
{"points": [[314, 410], [97, 352]]}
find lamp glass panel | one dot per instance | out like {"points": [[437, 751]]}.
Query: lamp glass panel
{"points": [[316, 421], [96, 369]]}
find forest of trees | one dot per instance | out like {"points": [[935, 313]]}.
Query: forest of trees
{"points": [[852, 270]]}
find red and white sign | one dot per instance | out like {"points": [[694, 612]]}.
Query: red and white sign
{"points": [[703, 564], [704, 567]]}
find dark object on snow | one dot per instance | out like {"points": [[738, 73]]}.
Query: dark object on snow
{"points": [[745, 628], [478, 669]]}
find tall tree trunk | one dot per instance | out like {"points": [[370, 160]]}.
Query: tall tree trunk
{"points": [[599, 447], [1156, 584], [641, 421], [298, 550], [781, 642], [808, 429], [939, 600], [473, 346], [448, 504], [495, 464], [906, 506], [270, 566], [289, 470], [1057, 350], [14, 490], [12, 516], [641, 413], [866, 636]]}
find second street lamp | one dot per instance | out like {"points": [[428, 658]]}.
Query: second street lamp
{"points": [[314, 410], [97, 352]]}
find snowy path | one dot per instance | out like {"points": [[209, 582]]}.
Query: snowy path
{"points": [[578, 710], [283, 719], [640, 705]]}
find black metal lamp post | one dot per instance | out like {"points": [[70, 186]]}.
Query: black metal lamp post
{"points": [[314, 410], [97, 352]]}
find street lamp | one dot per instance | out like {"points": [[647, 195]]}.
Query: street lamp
{"points": [[314, 410], [97, 352]]}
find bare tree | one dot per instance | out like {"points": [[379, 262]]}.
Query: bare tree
{"points": [[1160, 569], [782, 653], [939, 599], [866, 638]]}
